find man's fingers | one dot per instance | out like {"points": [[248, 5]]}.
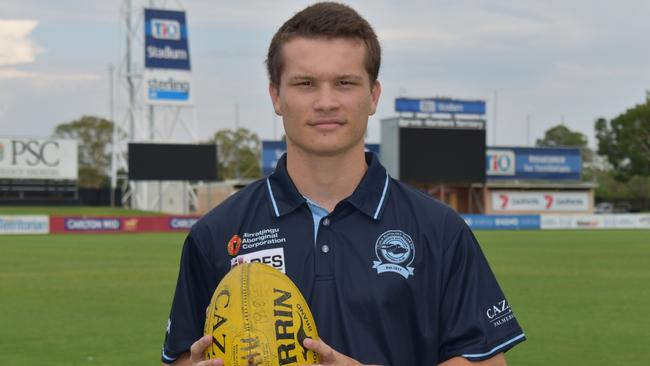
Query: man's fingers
{"points": [[317, 345], [198, 347], [197, 350], [216, 362]]}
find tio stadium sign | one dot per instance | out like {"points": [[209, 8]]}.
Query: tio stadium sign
{"points": [[166, 45]]}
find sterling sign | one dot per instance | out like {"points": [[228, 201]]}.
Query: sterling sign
{"points": [[31, 158]]}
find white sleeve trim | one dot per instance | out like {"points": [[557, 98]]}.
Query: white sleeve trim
{"points": [[495, 349], [167, 358]]}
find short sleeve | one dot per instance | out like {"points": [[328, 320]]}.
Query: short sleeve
{"points": [[194, 288], [476, 320]]}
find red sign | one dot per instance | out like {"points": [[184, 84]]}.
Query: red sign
{"points": [[121, 224]]}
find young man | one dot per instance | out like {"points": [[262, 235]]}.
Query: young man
{"points": [[392, 276]]}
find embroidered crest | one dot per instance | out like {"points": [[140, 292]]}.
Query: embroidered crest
{"points": [[395, 252]]}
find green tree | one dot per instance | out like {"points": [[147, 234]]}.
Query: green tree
{"points": [[94, 135], [562, 136], [625, 141], [238, 152]]}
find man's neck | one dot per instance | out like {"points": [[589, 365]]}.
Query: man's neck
{"points": [[326, 180]]}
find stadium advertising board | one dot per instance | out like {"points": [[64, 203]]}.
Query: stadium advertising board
{"points": [[433, 155], [34, 158], [533, 163], [24, 224], [92, 224], [609, 221], [193, 162], [502, 222], [163, 87], [272, 151], [165, 41], [440, 105], [540, 201], [121, 224]]}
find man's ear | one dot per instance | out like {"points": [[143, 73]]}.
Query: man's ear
{"points": [[274, 92], [375, 92]]}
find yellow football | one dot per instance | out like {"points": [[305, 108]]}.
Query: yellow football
{"points": [[257, 316]]}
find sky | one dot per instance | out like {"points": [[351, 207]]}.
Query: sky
{"points": [[535, 63]]}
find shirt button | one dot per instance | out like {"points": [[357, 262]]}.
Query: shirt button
{"points": [[326, 222], [325, 248]]}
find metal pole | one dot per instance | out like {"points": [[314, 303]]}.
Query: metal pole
{"points": [[111, 107], [494, 133], [131, 87], [129, 71]]}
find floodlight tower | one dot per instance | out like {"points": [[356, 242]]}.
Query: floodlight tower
{"points": [[152, 112]]}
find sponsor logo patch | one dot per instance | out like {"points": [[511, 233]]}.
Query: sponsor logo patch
{"points": [[499, 313], [263, 237], [272, 257], [395, 252], [234, 244]]}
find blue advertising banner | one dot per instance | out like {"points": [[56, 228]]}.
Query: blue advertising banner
{"points": [[165, 40], [272, 151], [440, 105], [533, 163], [502, 222]]}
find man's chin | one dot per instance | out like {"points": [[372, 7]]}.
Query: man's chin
{"points": [[322, 149]]}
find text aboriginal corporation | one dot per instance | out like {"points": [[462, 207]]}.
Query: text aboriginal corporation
{"points": [[262, 237]]}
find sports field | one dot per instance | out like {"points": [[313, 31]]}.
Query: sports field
{"points": [[583, 297]]}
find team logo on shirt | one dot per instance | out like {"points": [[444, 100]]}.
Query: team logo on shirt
{"points": [[395, 253], [499, 313], [234, 244]]}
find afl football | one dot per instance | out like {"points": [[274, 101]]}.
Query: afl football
{"points": [[257, 316]]}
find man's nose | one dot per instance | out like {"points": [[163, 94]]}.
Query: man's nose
{"points": [[326, 99]]}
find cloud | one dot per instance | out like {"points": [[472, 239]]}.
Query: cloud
{"points": [[9, 74], [484, 28], [15, 46]]}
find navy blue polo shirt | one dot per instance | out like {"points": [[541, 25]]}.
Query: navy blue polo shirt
{"points": [[392, 276]]}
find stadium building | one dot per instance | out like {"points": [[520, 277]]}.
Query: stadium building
{"points": [[438, 145]]}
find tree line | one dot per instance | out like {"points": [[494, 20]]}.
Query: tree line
{"points": [[620, 165], [238, 151]]}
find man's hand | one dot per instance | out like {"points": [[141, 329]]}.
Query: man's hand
{"points": [[197, 350], [328, 356]]}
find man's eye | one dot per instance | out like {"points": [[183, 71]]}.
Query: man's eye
{"points": [[345, 82], [304, 83]]}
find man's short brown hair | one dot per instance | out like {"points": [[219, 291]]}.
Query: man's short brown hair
{"points": [[328, 20]]}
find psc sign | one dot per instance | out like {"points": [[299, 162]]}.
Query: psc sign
{"points": [[35, 152], [500, 162]]}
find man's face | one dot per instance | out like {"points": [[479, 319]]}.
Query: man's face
{"points": [[324, 96]]}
